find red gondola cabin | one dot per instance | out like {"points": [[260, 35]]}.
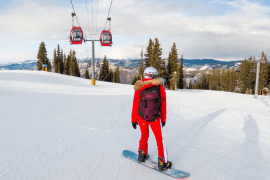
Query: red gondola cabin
{"points": [[76, 35], [106, 38]]}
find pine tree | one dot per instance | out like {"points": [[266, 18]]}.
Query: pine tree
{"points": [[141, 67], [58, 59], [219, 75], [181, 74], [66, 64], [149, 54], [199, 82], [49, 66], [39, 65], [76, 70], [251, 79], [42, 56], [203, 81], [117, 75], [174, 80], [223, 81], [55, 61], [110, 76], [264, 66], [134, 80], [215, 80], [104, 71], [168, 70], [70, 63], [87, 76], [157, 60], [237, 84], [243, 76], [208, 78], [173, 60], [172, 65], [61, 63], [73, 68], [232, 78]]}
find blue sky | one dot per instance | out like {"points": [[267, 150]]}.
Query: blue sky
{"points": [[219, 29]]}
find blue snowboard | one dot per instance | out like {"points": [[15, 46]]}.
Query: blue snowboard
{"points": [[153, 165]]}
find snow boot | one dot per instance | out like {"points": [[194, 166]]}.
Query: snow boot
{"points": [[163, 166], [142, 157]]}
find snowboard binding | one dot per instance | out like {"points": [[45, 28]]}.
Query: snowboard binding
{"points": [[142, 157], [163, 166]]}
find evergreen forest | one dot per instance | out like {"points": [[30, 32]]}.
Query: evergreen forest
{"points": [[171, 69], [68, 64], [240, 80]]}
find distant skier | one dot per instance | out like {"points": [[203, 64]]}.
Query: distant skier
{"points": [[149, 108]]}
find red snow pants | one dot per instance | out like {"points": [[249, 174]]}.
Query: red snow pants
{"points": [[157, 130]]}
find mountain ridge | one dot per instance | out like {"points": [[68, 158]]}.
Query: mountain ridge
{"points": [[131, 62]]}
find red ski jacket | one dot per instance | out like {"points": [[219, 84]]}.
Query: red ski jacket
{"points": [[141, 85]]}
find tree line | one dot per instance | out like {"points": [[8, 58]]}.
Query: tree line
{"points": [[62, 63], [107, 74], [240, 80], [172, 72], [67, 64]]}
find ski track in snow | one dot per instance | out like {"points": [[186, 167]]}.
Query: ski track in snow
{"points": [[60, 127]]}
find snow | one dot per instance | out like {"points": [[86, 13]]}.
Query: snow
{"points": [[29, 62], [191, 69], [204, 67], [60, 127]]}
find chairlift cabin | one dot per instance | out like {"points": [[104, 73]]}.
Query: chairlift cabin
{"points": [[76, 35], [106, 38]]}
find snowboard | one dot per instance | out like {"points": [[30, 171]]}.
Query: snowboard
{"points": [[153, 165]]}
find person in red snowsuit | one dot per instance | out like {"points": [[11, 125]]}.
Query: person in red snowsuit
{"points": [[157, 124]]}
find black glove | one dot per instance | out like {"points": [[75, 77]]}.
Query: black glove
{"points": [[163, 124], [134, 125]]}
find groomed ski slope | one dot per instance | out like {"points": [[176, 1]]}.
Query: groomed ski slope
{"points": [[55, 126]]}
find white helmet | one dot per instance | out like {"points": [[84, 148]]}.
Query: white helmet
{"points": [[150, 72]]}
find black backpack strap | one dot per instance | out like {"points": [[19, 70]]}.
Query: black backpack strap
{"points": [[159, 102]]}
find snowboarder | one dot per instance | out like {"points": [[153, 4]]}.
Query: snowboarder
{"points": [[149, 109]]}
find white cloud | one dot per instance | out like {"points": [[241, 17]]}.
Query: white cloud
{"points": [[198, 29]]}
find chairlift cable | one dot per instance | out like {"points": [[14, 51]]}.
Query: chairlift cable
{"points": [[93, 21], [75, 13], [92, 18], [89, 30], [87, 16], [105, 27], [86, 50], [97, 16], [108, 15]]}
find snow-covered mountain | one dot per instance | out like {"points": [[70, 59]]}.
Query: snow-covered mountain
{"points": [[55, 126], [27, 64], [210, 63], [128, 63], [188, 63]]}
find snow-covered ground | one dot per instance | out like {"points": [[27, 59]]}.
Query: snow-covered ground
{"points": [[55, 126], [204, 67], [191, 69]]}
